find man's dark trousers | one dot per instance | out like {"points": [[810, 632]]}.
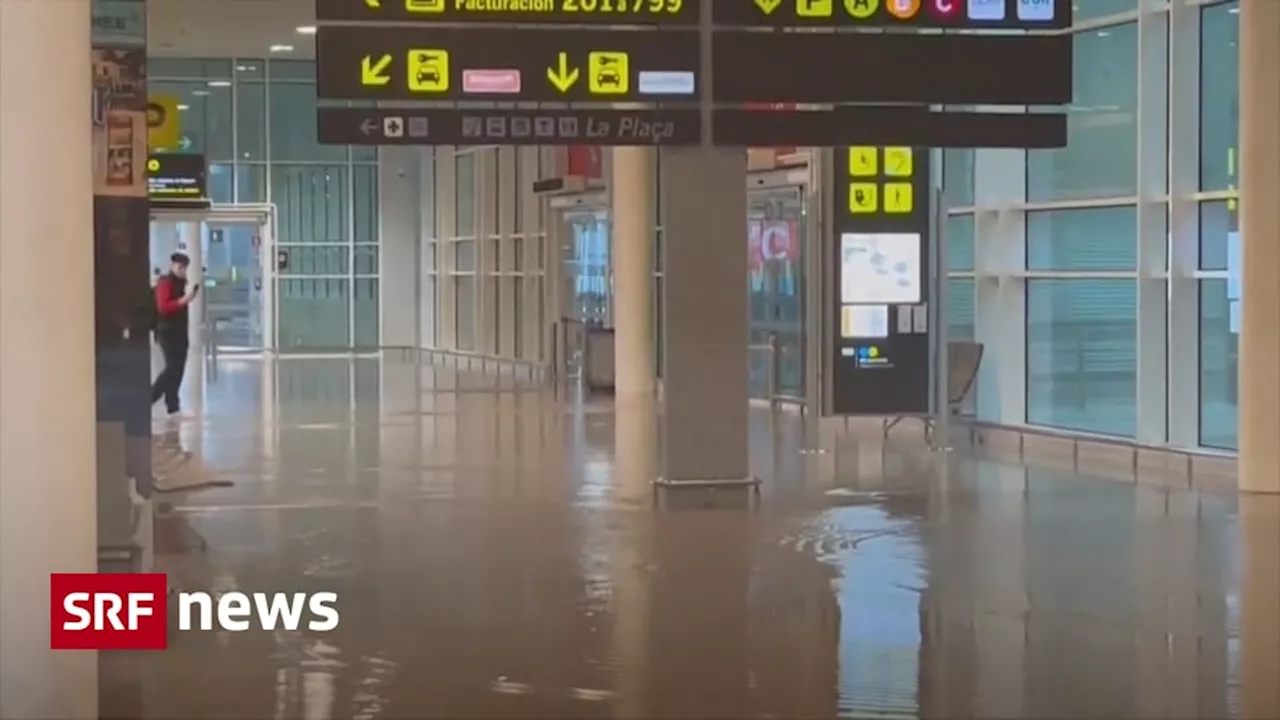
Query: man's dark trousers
{"points": [[169, 382]]}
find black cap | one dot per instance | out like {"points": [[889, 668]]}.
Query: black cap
{"points": [[180, 258]]}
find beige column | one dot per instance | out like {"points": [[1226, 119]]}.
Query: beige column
{"points": [[1260, 242], [48, 465], [632, 221]]}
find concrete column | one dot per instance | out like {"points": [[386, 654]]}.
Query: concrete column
{"points": [[1260, 243], [398, 214], [705, 431], [632, 217], [48, 496]]}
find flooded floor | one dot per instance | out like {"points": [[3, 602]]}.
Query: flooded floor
{"points": [[498, 552]]}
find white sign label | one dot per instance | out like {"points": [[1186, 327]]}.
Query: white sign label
{"points": [[986, 9], [1036, 10]]}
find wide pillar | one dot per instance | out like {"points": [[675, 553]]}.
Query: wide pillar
{"points": [[632, 216], [48, 490], [1260, 242], [704, 283]]}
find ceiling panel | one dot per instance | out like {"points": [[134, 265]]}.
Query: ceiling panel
{"points": [[228, 28]]}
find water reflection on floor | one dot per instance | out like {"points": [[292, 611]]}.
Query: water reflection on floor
{"points": [[498, 554]]}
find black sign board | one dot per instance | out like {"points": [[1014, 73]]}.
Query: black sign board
{"points": [[577, 12], [177, 180], [879, 295], [414, 63], [888, 125], [1014, 14], [753, 67], [546, 126]]}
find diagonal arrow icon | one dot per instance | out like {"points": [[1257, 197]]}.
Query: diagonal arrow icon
{"points": [[375, 4], [766, 6], [375, 73], [562, 77]]}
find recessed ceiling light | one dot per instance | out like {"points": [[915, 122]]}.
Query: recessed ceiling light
{"points": [[219, 83], [184, 107], [306, 29], [200, 93], [281, 48]]}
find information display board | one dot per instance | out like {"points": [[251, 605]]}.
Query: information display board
{"points": [[407, 63], [177, 180], [1009, 14], [577, 12], [879, 295]]}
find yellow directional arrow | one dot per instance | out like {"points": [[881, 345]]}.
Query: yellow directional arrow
{"points": [[373, 3], [375, 73], [766, 6], [562, 77]]}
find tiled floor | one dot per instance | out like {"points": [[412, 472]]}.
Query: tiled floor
{"points": [[497, 553]]}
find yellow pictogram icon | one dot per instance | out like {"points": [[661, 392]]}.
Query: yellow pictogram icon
{"points": [[375, 72], [898, 162], [608, 73], [428, 70], [898, 198], [374, 4], [768, 6], [562, 76], [153, 165], [863, 161], [903, 9], [423, 6], [862, 197], [861, 9], [814, 8]]}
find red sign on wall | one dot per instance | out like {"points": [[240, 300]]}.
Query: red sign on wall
{"points": [[587, 162]]}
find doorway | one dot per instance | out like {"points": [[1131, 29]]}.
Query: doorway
{"points": [[233, 258], [776, 225]]}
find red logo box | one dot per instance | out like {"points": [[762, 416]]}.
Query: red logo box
{"points": [[108, 611]]}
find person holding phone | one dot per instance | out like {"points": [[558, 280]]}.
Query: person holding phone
{"points": [[173, 299]]}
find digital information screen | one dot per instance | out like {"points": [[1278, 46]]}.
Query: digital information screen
{"points": [[879, 295], [177, 180]]}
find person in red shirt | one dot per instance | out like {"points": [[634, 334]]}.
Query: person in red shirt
{"points": [[173, 299]]}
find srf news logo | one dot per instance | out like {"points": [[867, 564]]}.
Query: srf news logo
{"points": [[130, 611]]}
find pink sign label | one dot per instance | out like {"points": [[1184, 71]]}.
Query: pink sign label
{"points": [[491, 81]]}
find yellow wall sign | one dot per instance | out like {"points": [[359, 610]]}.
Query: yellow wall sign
{"points": [[814, 8], [863, 162], [861, 9], [428, 70], [164, 122], [608, 73], [898, 198], [863, 198], [424, 6], [898, 162]]}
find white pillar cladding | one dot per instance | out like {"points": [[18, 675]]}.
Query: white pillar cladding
{"points": [[48, 496], [399, 196], [632, 221], [1260, 242], [1152, 224], [191, 239]]}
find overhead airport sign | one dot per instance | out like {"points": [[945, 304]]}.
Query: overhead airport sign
{"points": [[577, 12], [1010, 14], [547, 126], [177, 180], [889, 125], [399, 63], [755, 67]]}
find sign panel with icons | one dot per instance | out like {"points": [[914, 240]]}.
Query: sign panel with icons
{"points": [[177, 180], [576, 12], [879, 341], [1003, 14], [540, 126], [414, 63]]}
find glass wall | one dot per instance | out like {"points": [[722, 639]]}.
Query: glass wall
{"points": [[1116, 253], [254, 121]]}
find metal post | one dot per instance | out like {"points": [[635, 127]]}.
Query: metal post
{"points": [[817, 229], [773, 382], [941, 368]]}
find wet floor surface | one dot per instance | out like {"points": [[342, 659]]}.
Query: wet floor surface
{"points": [[498, 553]]}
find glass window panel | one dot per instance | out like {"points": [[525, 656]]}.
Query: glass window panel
{"points": [[957, 176], [464, 255], [316, 259], [1219, 363], [365, 312], [366, 258], [291, 70], [221, 185], [465, 194], [365, 207], [428, 199], [1219, 95], [1090, 9], [204, 116], [1100, 159], [1095, 239], [251, 69], [464, 304], [293, 125], [251, 121], [960, 302], [517, 317], [1218, 221], [251, 183], [314, 313], [311, 202], [518, 190], [193, 68], [1082, 355], [960, 242]]}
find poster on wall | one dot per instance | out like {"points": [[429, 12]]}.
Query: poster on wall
{"points": [[773, 250], [120, 122]]}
